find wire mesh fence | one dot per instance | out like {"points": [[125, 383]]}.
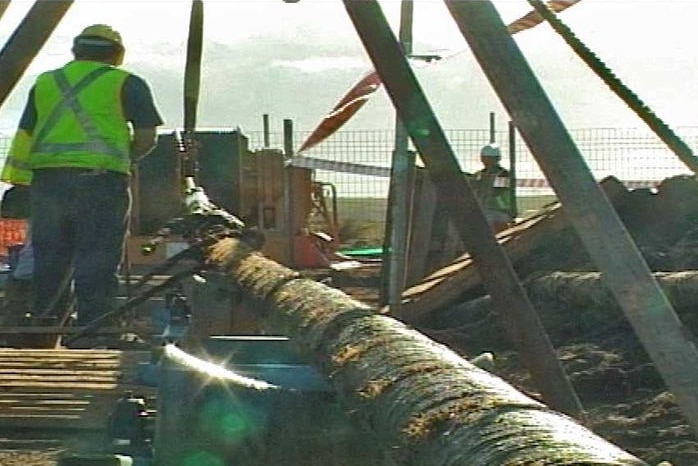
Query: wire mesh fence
{"points": [[635, 156]]}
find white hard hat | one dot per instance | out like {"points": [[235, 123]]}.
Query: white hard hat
{"points": [[490, 150]]}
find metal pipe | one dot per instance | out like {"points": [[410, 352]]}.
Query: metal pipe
{"points": [[265, 126], [513, 206], [289, 211], [493, 132]]}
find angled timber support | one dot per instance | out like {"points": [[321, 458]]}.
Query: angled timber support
{"points": [[27, 40], [519, 317], [587, 208]]}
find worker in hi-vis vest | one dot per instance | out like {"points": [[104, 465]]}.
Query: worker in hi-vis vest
{"points": [[82, 128], [493, 186]]}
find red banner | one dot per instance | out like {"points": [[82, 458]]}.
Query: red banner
{"points": [[345, 109], [532, 18], [362, 91]]}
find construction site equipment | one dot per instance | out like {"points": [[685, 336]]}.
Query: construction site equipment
{"points": [[422, 402], [237, 179], [409, 392], [270, 407]]}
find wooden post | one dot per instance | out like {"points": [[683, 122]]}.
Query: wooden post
{"points": [[289, 211], [493, 132], [514, 208], [587, 208], [456, 194], [401, 187]]}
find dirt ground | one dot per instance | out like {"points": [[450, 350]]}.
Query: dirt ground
{"points": [[624, 398]]}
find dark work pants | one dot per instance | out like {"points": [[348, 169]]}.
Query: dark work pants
{"points": [[79, 222]]}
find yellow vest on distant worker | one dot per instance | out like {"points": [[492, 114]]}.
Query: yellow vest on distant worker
{"points": [[80, 121], [17, 169]]}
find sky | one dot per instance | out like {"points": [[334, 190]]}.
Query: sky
{"points": [[296, 60]]}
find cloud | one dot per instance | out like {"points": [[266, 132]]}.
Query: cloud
{"points": [[322, 64]]}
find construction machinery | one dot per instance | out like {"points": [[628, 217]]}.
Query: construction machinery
{"points": [[414, 401], [296, 214]]}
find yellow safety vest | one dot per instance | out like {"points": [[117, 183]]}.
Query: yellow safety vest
{"points": [[80, 121], [17, 169], [494, 189]]}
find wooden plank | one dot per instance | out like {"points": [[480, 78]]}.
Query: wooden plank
{"points": [[60, 330], [28, 364], [424, 236], [57, 376], [59, 353], [86, 412], [58, 389], [444, 286], [78, 388]]}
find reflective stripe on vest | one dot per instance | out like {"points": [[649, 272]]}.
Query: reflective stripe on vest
{"points": [[80, 119], [96, 142]]}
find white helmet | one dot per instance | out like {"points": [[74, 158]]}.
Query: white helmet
{"points": [[491, 150]]}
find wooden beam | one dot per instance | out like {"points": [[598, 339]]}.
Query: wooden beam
{"points": [[3, 6], [445, 286], [27, 40], [455, 192], [62, 330], [587, 208]]}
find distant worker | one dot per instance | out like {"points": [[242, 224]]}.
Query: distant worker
{"points": [[493, 188], [83, 127]]}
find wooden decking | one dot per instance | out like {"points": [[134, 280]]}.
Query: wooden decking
{"points": [[59, 388]]}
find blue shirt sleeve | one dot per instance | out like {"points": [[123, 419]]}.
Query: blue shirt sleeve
{"points": [[28, 120], [139, 105]]}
